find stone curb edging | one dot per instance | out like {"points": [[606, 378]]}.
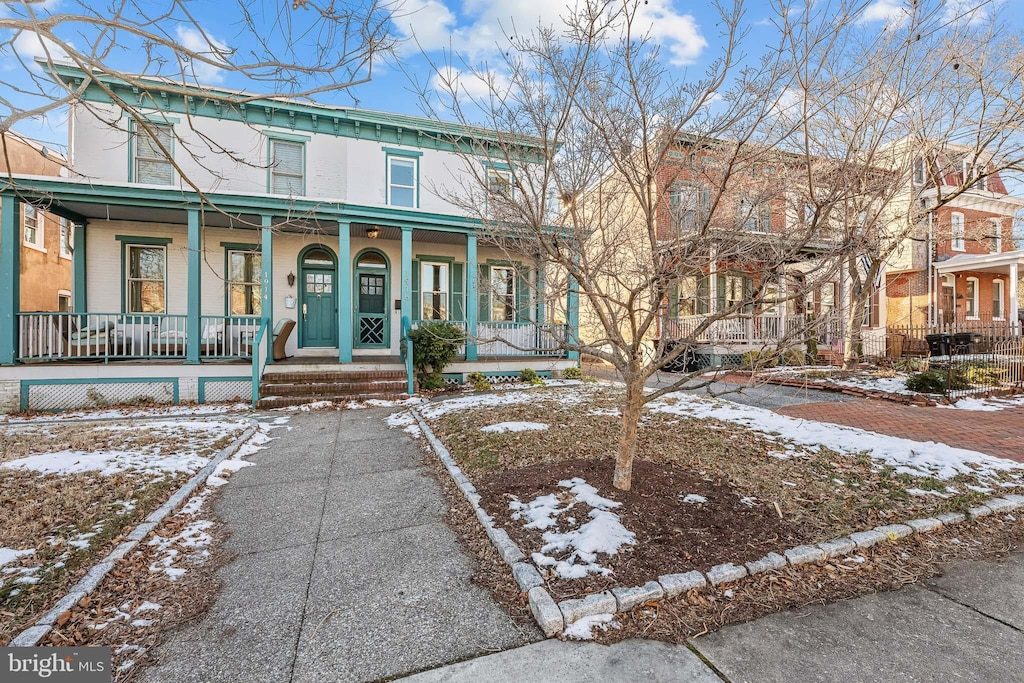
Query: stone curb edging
{"points": [[554, 617], [88, 583]]}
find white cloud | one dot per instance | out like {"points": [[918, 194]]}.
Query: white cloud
{"points": [[30, 46], [449, 80], [202, 43], [892, 12], [964, 10]]}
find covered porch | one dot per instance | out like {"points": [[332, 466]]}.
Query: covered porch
{"points": [[979, 289]]}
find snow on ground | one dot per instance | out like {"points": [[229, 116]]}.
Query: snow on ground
{"points": [[574, 395], [896, 384], [107, 462], [889, 385], [911, 457], [8, 555], [583, 628], [694, 499], [987, 404], [130, 413], [503, 427], [602, 534]]}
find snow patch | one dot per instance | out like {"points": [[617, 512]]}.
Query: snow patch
{"points": [[583, 628], [8, 555], [694, 499], [986, 404], [503, 427]]}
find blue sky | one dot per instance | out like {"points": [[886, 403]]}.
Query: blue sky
{"points": [[686, 30]]}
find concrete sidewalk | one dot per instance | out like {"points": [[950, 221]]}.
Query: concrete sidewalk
{"points": [[964, 626], [345, 568]]}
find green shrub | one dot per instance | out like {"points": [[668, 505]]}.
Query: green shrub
{"points": [[755, 360], [528, 375], [434, 347], [937, 381], [794, 357], [572, 373], [478, 381], [980, 372]]}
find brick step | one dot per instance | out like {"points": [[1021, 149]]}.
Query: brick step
{"points": [[331, 388], [332, 376], [285, 401]]}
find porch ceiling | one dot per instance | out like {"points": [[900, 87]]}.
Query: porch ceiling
{"points": [[985, 263]]}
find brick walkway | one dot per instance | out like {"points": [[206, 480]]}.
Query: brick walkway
{"points": [[996, 433]]}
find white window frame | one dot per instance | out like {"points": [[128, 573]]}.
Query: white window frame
{"points": [[137, 132], [443, 289], [689, 290], [128, 279], [32, 219], [957, 232], [999, 286], [971, 301], [277, 173], [506, 179], [66, 295], [996, 238], [66, 237], [513, 296], [392, 158], [256, 283]]}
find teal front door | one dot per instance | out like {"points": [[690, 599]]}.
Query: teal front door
{"points": [[318, 301], [372, 320]]}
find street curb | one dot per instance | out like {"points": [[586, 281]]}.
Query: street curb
{"points": [[553, 618], [88, 583]]}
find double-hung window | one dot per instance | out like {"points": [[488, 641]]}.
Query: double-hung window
{"points": [[995, 236], [145, 279], [245, 291], [402, 189], [434, 293], [919, 176], [33, 226], [153, 164], [688, 204], [503, 293], [287, 167], [65, 238], [687, 295], [499, 182], [972, 298], [733, 290], [957, 232], [997, 300], [754, 216]]}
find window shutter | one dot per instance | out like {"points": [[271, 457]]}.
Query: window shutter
{"points": [[458, 289], [720, 293], [484, 288], [523, 313], [748, 293], [417, 300], [703, 295]]}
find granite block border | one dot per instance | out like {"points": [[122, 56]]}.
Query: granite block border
{"points": [[88, 583], [554, 617]]}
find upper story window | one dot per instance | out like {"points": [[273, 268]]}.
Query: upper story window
{"points": [[245, 291], [32, 224], [287, 167], [974, 176], [689, 205], [499, 182], [995, 236], [957, 232], [754, 216], [434, 279], [401, 181], [65, 238], [153, 164], [145, 279], [919, 174]]}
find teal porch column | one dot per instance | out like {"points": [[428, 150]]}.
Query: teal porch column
{"points": [[541, 313], [572, 316], [344, 285], [406, 275], [472, 296], [194, 301], [79, 285], [10, 270], [267, 279]]}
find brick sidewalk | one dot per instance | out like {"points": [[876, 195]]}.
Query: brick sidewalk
{"points": [[998, 433]]}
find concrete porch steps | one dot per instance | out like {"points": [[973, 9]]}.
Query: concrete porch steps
{"points": [[281, 389]]}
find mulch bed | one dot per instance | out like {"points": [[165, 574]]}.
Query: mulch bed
{"points": [[671, 535]]}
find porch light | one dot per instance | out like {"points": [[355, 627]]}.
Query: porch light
{"points": [[291, 279], [372, 232]]}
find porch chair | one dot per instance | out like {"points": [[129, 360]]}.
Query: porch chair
{"points": [[282, 330]]}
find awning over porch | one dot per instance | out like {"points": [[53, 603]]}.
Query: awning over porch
{"points": [[1006, 263]]}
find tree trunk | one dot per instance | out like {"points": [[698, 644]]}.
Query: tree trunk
{"points": [[623, 478]]}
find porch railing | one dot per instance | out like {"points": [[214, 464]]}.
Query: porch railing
{"points": [[753, 329], [513, 339], [116, 336]]}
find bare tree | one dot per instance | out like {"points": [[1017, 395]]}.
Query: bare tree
{"points": [[633, 187], [298, 49]]}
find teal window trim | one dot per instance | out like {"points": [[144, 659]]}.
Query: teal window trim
{"points": [[497, 165], [278, 137], [230, 247], [418, 261], [286, 137], [155, 120], [26, 383], [387, 177], [396, 152], [519, 272], [130, 241]]}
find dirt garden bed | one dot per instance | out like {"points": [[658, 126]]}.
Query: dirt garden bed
{"points": [[714, 483], [70, 492]]}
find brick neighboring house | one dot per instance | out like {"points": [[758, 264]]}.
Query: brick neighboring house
{"points": [[964, 268], [46, 239]]}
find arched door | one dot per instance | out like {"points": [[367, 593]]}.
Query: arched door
{"points": [[373, 323], [318, 298]]}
